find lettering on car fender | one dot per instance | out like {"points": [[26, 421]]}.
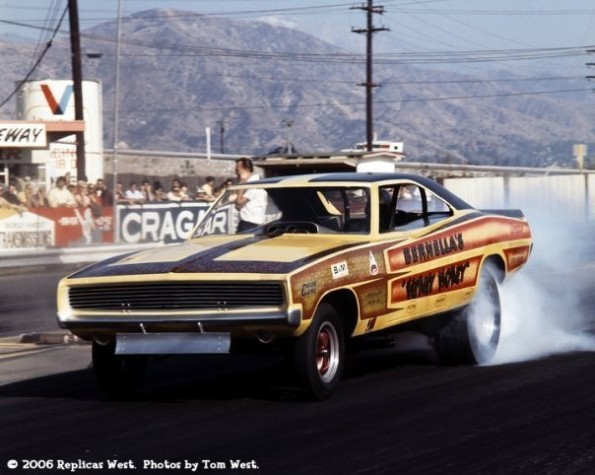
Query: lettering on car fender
{"points": [[434, 248], [309, 288], [446, 278]]}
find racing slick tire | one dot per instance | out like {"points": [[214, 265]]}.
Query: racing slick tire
{"points": [[471, 335], [117, 375], [319, 354]]}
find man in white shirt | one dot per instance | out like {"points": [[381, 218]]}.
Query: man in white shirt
{"points": [[251, 204], [134, 195], [60, 196]]}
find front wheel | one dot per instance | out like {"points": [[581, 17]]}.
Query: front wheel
{"points": [[471, 335], [117, 375], [319, 354]]}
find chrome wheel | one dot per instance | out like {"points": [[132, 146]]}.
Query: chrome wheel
{"points": [[471, 335], [327, 352], [483, 321], [318, 354]]}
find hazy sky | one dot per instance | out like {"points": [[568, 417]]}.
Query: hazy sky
{"points": [[531, 27]]}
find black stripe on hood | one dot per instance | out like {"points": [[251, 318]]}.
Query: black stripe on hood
{"points": [[205, 261]]}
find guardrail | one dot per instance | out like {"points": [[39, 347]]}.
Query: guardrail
{"points": [[16, 258]]}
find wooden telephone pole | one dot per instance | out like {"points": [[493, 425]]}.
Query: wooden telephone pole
{"points": [[370, 85], [77, 80]]}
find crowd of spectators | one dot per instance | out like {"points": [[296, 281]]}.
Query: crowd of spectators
{"points": [[23, 193], [179, 191], [88, 200]]}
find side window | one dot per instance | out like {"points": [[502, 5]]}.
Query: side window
{"points": [[436, 206], [405, 207], [409, 199]]}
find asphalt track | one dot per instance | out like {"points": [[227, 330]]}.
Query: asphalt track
{"points": [[395, 412]]}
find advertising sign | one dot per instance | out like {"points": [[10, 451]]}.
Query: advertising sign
{"points": [[42, 228], [167, 222], [25, 230], [22, 134]]}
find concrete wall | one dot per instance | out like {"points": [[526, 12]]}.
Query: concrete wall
{"points": [[568, 197]]}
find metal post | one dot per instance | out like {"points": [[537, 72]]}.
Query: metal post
{"points": [[116, 220], [369, 81], [587, 198]]}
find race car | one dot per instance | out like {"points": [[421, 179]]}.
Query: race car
{"points": [[327, 260]]}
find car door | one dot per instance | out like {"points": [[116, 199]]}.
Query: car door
{"points": [[410, 212]]}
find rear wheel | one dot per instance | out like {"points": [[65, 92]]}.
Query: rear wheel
{"points": [[319, 354], [117, 375], [471, 335]]}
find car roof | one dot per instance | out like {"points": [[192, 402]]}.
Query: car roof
{"points": [[344, 176], [369, 178]]}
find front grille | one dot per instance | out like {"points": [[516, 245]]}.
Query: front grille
{"points": [[177, 296]]}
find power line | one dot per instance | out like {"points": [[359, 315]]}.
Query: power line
{"points": [[432, 57], [38, 62], [577, 12], [360, 103]]}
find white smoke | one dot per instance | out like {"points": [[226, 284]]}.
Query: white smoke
{"points": [[542, 308]]}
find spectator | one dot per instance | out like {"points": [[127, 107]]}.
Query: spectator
{"points": [[97, 211], [60, 196], [120, 195], [218, 191], [134, 195], [95, 197], [201, 196], [105, 197], [40, 198], [82, 194], [224, 186], [4, 203], [176, 192], [206, 191], [158, 191], [184, 192], [26, 196], [252, 203], [245, 170], [11, 196], [147, 191]]}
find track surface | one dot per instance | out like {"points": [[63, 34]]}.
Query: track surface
{"points": [[395, 412]]}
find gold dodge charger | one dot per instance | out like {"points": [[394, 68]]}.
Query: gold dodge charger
{"points": [[305, 265]]}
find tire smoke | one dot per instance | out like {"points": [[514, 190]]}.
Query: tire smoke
{"points": [[544, 311]]}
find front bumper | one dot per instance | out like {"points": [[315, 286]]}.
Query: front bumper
{"points": [[99, 326]]}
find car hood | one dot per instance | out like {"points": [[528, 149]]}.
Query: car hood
{"points": [[227, 254]]}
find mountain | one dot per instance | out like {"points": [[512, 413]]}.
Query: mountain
{"points": [[264, 84]]}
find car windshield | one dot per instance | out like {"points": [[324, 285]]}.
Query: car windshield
{"points": [[278, 210]]}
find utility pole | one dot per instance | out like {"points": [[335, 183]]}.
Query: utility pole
{"points": [[221, 136], [369, 84], [77, 80], [288, 123], [590, 66]]}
